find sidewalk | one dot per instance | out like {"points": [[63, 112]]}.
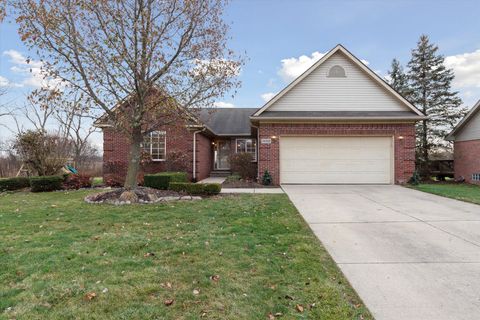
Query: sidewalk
{"points": [[252, 190]]}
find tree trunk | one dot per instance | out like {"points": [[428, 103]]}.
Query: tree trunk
{"points": [[134, 159]]}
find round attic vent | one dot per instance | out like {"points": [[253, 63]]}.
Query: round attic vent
{"points": [[336, 72]]}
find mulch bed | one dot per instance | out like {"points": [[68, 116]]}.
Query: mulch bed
{"points": [[145, 195], [244, 184]]}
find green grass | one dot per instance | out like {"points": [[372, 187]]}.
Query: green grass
{"points": [[464, 192], [55, 249], [97, 181]]}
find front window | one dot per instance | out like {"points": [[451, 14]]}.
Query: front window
{"points": [[154, 144], [248, 146]]}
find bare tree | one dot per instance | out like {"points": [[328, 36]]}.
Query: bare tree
{"points": [[119, 52], [73, 116]]}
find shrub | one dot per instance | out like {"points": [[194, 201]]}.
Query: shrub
{"points": [[77, 181], [415, 179], [46, 183], [267, 178], [11, 184], [233, 178], [177, 161], [115, 172], [196, 188], [162, 180], [243, 165]]}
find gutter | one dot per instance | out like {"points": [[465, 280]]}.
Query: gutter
{"points": [[340, 118]]}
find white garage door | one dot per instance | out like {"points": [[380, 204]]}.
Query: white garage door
{"points": [[336, 160]]}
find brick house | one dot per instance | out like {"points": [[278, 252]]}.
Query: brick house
{"points": [[466, 137], [337, 123]]}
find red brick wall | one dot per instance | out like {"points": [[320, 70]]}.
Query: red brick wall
{"points": [[404, 148], [178, 139], [467, 159], [204, 157]]}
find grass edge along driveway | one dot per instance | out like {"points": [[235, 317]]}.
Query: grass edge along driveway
{"points": [[226, 257], [464, 192]]}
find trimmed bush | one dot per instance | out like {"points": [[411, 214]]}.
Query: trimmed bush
{"points": [[162, 180], [196, 188], [46, 183], [77, 181], [10, 184]]}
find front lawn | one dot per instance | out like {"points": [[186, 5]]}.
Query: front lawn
{"points": [[232, 257], [464, 192]]}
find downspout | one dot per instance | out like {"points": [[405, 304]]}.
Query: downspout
{"points": [[194, 171]]}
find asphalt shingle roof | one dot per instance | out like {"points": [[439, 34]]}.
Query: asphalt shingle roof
{"points": [[227, 121]]}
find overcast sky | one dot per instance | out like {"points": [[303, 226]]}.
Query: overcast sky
{"points": [[283, 38]]}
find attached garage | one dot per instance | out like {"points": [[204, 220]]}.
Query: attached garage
{"points": [[336, 160], [337, 123]]}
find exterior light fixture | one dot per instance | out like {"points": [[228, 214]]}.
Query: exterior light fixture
{"points": [[401, 137]]}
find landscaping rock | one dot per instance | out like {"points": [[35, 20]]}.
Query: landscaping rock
{"points": [[139, 195]]}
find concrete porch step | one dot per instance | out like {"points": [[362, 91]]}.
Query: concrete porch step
{"points": [[220, 173]]}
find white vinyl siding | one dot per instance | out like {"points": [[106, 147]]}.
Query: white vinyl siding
{"points": [[336, 160], [355, 92], [471, 130]]}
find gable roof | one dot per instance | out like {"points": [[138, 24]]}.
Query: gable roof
{"points": [[417, 114], [227, 121], [458, 128]]}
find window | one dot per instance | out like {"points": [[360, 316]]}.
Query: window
{"points": [[476, 177], [248, 146], [337, 72], [154, 144]]}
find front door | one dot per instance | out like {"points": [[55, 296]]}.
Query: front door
{"points": [[222, 154]]}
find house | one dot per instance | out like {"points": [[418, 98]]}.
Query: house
{"points": [[466, 137], [337, 123]]}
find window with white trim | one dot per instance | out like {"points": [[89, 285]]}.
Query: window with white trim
{"points": [[248, 146], [155, 145], [476, 177]]}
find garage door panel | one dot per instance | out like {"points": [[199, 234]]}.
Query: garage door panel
{"points": [[339, 160], [324, 165], [336, 178]]}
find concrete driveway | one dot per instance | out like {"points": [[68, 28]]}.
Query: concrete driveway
{"points": [[408, 254]]}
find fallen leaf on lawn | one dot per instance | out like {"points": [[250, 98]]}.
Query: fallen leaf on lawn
{"points": [[54, 205], [312, 305], [278, 314], [289, 297], [215, 277], [196, 292], [105, 290], [270, 316], [299, 308], [273, 286], [96, 238], [168, 302], [90, 295], [149, 254]]}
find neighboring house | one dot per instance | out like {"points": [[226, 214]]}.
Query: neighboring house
{"points": [[466, 150], [337, 123]]}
